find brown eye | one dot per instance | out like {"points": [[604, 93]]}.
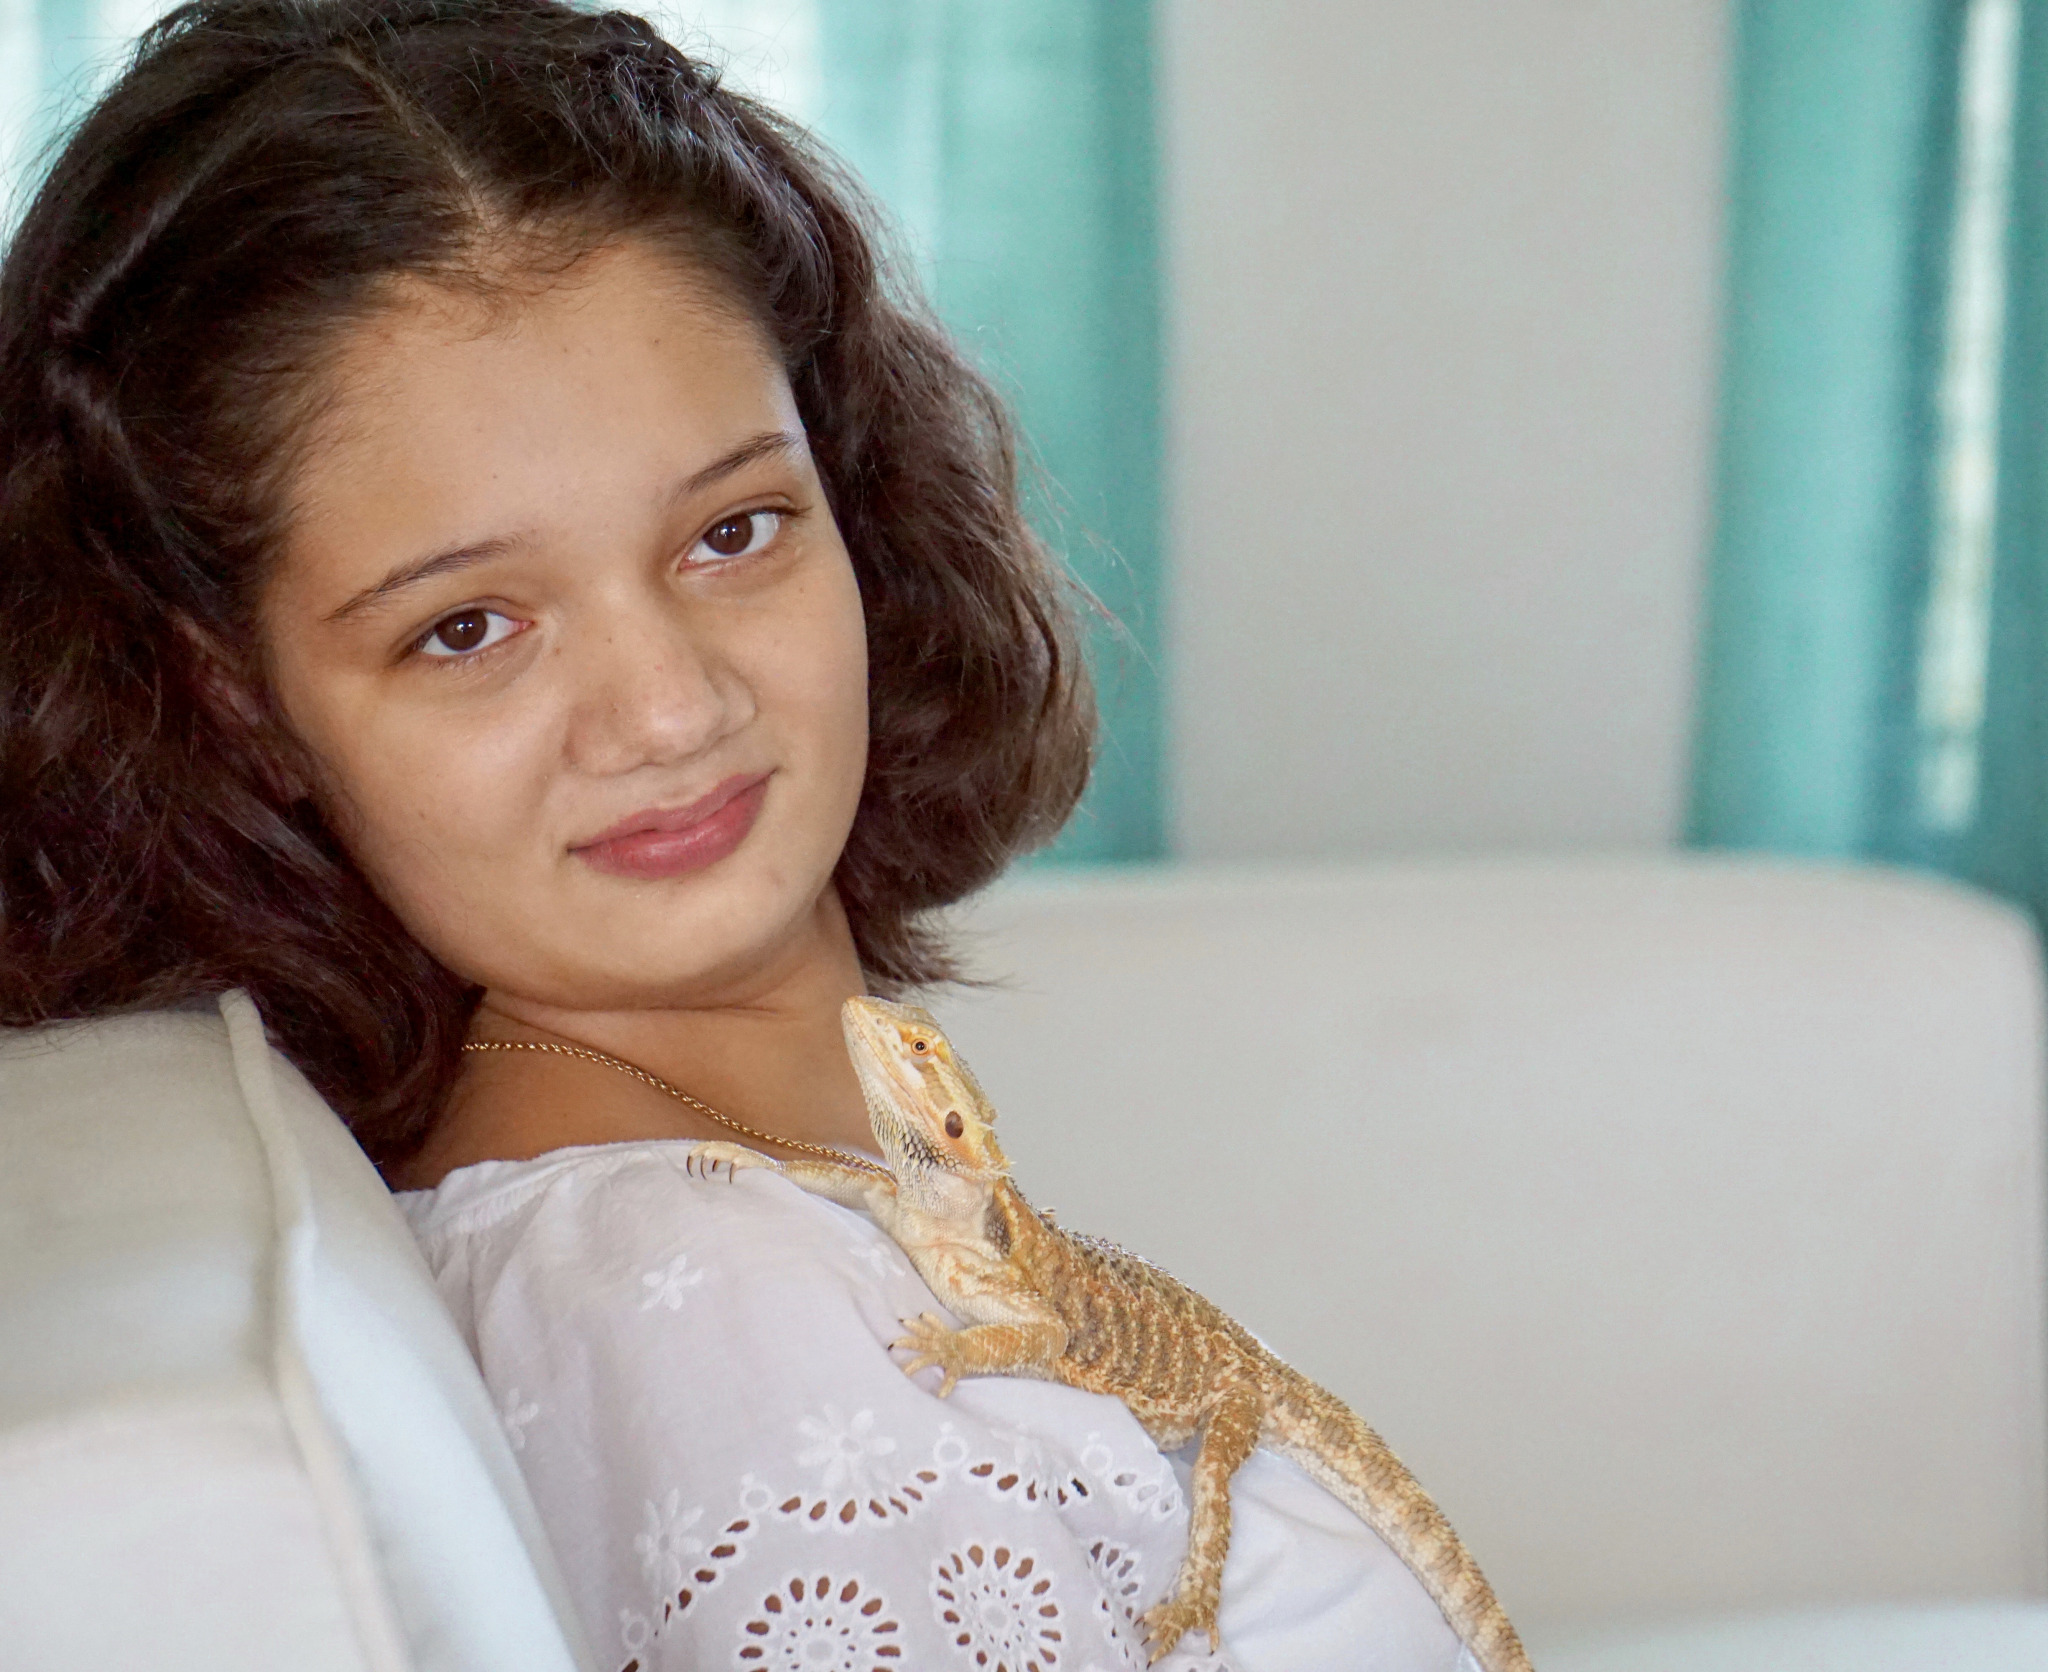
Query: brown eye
{"points": [[954, 1124], [919, 1046], [731, 537], [463, 632], [467, 630], [736, 536]]}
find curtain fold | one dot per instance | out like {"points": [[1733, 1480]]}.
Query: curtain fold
{"points": [[1875, 670], [1014, 141]]}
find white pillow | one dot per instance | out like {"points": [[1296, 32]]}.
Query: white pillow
{"points": [[237, 1427]]}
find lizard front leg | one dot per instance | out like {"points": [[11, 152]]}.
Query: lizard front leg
{"points": [[850, 1187], [1014, 1329], [980, 1349], [1227, 1440]]}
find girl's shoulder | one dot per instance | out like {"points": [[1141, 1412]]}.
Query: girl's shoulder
{"points": [[594, 1210], [487, 1196]]}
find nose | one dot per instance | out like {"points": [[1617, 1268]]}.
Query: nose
{"points": [[650, 688]]}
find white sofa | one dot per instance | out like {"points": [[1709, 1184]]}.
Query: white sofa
{"points": [[1680, 1221]]}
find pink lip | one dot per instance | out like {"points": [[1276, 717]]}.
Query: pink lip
{"points": [[666, 842]]}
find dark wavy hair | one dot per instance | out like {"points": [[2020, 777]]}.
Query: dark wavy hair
{"points": [[244, 194]]}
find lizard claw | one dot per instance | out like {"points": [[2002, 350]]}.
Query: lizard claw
{"points": [[1165, 1623], [931, 1340], [705, 1159]]}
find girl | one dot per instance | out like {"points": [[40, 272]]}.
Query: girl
{"points": [[490, 559]]}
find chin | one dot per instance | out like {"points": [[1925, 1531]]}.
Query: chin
{"points": [[675, 947]]}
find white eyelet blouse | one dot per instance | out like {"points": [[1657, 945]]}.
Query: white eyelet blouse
{"points": [[734, 1471]]}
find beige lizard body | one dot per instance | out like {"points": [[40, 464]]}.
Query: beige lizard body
{"points": [[1042, 1301]]}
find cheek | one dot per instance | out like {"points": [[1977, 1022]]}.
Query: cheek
{"points": [[820, 680], [424, 803]]}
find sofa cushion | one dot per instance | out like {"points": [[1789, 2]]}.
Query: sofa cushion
{"points": [[1979, 1637], [234, 1414]]}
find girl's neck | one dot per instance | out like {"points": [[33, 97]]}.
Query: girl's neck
{"points": [[767, 1052]]}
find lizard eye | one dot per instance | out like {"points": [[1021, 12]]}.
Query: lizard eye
{"points": [[919, 1046], [954, 1124]]}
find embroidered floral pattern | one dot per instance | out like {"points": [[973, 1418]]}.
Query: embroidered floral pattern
{"points": [[1119, 1572], [901, 1498], [637, 1631], [665, 1542], [853, 1493], [1020, 1472], [729, 1546], [847, 1448], [1152, 1492], [997, 1604], [665, 1287], [1024, 1473], [822, 1624]]}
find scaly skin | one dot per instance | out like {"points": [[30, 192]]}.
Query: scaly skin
{"points": [[1042, 1301]]}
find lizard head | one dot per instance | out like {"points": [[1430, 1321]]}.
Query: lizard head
{"points": [[928, 1114]]}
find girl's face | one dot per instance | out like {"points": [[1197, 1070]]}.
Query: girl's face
{"points": [[564, 616]]}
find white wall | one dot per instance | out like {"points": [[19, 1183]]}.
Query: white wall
{"points": [[1441, 280]]}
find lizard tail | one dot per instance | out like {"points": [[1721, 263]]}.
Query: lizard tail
{"points": [[1339, 1451]]}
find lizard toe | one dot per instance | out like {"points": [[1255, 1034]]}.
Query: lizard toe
{"points": [[706, 1158], [930, 1361], [933, 1342], [1166, 1623]]}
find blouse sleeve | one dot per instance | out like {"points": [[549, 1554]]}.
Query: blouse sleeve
{"points": [[734, 1470]]}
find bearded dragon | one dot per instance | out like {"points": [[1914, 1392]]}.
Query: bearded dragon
{"points": [[1046, 1302]]}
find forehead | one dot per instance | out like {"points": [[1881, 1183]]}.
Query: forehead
{"points": [[457, 414], [549, 324]]}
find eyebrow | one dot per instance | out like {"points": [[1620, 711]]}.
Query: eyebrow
{"points": [[768, 444]]}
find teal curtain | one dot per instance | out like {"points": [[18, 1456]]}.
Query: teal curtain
{"points": [[1014, 141], [1875, 665]]}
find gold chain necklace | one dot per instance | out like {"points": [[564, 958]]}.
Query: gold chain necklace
{"points": [[845, 1158]]}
